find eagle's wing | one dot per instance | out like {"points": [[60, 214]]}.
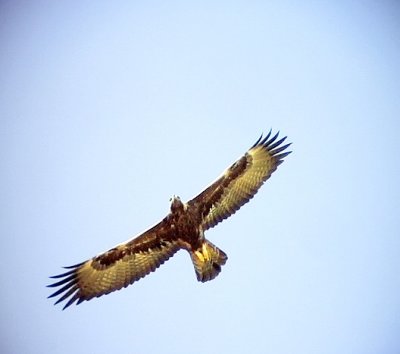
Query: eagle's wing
{"points": [[118, 267], [240, 182]]}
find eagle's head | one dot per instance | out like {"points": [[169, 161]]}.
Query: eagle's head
{"points": [[176, 204]]}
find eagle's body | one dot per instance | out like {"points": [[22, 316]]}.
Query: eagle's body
{"points": [[182, 228]]}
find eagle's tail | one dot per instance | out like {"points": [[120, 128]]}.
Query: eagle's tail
{"points": [[207, 261]]}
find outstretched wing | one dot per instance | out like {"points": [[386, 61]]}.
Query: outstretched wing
{"points": [[240, 182], [116, 268]]}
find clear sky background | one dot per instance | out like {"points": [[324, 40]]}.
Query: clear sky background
{"points": [[108, 108]]}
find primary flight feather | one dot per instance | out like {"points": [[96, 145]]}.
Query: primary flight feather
{"points": [[182, 228]]}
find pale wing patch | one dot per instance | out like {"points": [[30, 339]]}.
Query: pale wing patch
{"points": [[261, 161], [99, 276]]}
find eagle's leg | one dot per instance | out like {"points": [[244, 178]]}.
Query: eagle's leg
{"points": [[207, 261]]}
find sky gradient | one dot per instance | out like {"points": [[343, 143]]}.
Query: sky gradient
{"points": [[110, 108]]}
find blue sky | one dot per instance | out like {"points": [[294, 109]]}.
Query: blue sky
{"points": [[110, 108]]}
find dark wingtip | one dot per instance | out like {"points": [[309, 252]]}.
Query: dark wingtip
{"points": [[281, 148], [63, 281], [62, 275], [270, 141], [67, 282], [262, 142], [272, 145], [283, 155], [72, 300], [257, 142], [75, 265]]}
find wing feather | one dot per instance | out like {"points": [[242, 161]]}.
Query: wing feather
{"points": [[241, 181], [116, 268]]}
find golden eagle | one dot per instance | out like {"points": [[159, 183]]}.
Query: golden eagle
{"points": [[182, 228]]}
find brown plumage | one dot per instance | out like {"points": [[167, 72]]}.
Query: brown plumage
{"points": [[182, 228]]}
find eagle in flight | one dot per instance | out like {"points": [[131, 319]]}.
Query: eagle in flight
{"points": [[182, 228]]}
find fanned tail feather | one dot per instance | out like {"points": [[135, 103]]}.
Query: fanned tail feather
{"points": [[208, 260]]}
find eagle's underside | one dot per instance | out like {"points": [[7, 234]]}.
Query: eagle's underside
{"points": [[182, 228]]}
